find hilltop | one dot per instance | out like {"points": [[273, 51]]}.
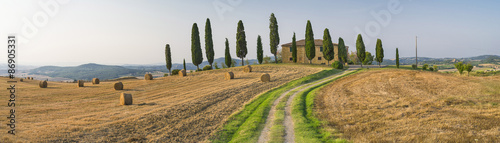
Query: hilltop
{"points": [[166, 109], [494, 59], [411, 106]]}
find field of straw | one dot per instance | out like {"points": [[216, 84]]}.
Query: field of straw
{"points": [[167, 109], [411, 106]]}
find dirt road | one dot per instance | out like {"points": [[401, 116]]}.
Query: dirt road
{"points": [[288, 121]]}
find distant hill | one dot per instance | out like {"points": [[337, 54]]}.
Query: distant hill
{"points": [[189, 66], [86, 71], [425, 60]]}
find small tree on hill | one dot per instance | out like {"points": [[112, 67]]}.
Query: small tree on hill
{"points": [[260, 52], [425, 66], [368, 59], [468, 68], [460, 67], [310, 47], [397, 58], [168, 58], [294, 48], [328, 52], [216, 66], [379, 55], [228, 58], [360, 49]]}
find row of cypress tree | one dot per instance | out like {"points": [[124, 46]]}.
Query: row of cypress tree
{"points": [[328, 48], [241, 45]]}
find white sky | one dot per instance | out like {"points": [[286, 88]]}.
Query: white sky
{"points": [[135, 32]]}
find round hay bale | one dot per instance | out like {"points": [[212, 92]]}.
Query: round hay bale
{"points": [[126, 99], [265, 77], [182, 73], [229, 76], [148, 76], [43, 84], [247, 68], [118, 86], [95, 81], [80, 83]]}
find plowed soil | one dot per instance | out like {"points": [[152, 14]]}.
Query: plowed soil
{"points": [[412, 106], [168, 109]]}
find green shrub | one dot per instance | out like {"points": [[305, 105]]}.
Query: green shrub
{"points": [[435, 68], [216, 66], [207, 67], [425, 67], [350, 63], [431, 69], [337, 65], [165, 75], [414, 66], [175, 71]]}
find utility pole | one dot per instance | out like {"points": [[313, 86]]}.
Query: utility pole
{"points": [[416, 61]]}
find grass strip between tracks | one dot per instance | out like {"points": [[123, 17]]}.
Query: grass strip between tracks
{"points": [[246, 125], [307, 127]]}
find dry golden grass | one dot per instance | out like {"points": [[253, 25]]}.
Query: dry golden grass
{"points": [[412, 106], [167, 109]]}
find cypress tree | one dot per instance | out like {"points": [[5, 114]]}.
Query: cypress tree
{"points": [[196, 54], [379, 56], [342, 51], [228, 55], [241, 43], [184, 64], [360, 49], [168, 58], [328, 52], [209, 44], [260, 52], [274, 36], [310, 47], [294, 48], [397, 58]]}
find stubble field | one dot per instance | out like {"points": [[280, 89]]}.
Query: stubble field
{"points": [[411, 106], [167, 109]]}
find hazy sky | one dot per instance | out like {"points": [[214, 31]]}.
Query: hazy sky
{"points": [[135, 31]]}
